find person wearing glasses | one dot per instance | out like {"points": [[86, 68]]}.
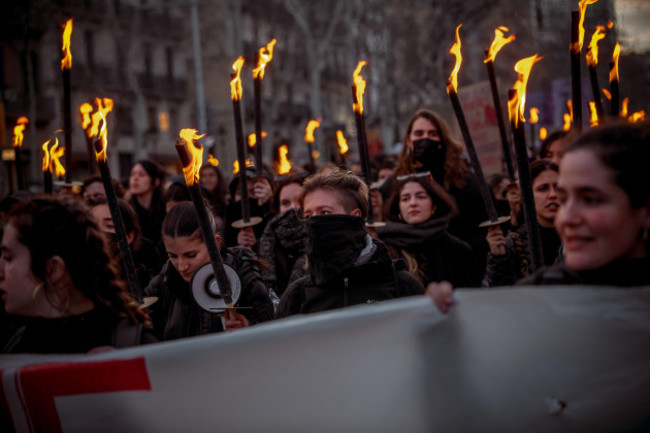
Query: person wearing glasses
{"points": [[346, 265], [430, 146], [416, 231]]}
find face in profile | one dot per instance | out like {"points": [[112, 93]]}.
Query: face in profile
{"points": [[324, 202], [186, 254], [596, 221], [17, 282], [415, 204]]}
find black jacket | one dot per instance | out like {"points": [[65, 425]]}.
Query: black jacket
{"points": [[376, 280], [620, 273], [176, 314]]}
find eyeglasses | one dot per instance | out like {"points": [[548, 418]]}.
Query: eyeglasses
{"points": [[406, 177]]}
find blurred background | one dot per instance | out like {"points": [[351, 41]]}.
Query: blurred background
{"points": [[166, 64]]}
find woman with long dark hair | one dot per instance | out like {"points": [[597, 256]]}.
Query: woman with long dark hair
{"points": [[146, 190], [57, 273]]}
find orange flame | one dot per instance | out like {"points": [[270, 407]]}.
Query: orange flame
{"points": [[517, 105], [543, 133], [610, 24], [236, 88], [46, 157], [195, 150], [624, 106], [283, 166], [497, 43], [266, 54], [568, 117], [252, 139], [309, 131], [18, 131], [55, 155], [315, 154], [593, 116], [235, 165], [84, 111], [101, 155], [66, 62], [104, 106], [360, 86], [592, 54], [452, 83], [639, 116], [613, 72], [607, 94], [534, 115], [212, 160], [343, 144], [577, 47]]}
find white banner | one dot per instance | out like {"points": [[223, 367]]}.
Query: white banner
{"points": [[525, 359]]}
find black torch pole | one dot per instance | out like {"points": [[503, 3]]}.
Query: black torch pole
{"points": [[208, 233], [505, 145], [473, 157], [595, 90], [19, 168], [92, 167], [364, 156], [257, 81], [67, 124], [241, 157], [576, 88], [125, 250], [614, 90], [526, 185], [47, 172]]}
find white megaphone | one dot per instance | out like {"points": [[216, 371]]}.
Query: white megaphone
{"points": [[205, 289]]}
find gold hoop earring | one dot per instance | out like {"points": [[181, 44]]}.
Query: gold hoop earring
{"points": [[36, 290]]}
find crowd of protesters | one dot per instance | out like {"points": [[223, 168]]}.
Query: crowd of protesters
{"points": [[63, 280]]}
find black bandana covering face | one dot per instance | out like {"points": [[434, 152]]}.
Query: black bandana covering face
{"points": [[334, 243], [428, 152]]}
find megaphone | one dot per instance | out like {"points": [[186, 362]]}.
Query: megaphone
{"points": [[205, 289]]}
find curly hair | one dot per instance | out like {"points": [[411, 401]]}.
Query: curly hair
{"points": [[63, 227], [455, 166]]}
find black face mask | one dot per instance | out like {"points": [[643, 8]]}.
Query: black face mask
{"points": [[334, 243], [430, 154]]}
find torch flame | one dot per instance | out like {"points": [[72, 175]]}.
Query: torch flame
{"points": [[592, 54], [639, 116], [236, 88], [101, 155], [610, 24], [593, 117], [283, 166], [252, 139], [235, 165], [517, 106], [452, 83], [360, 86], [624, 106], [343, 144], [543, 133], [309, 131], [266, 54], [534, 115], [18, 131], [577, 47], [212, 160], [104, 106], [84, 111], [195, 151], [498, 43], [66, 62], [46, 157], [613, 72], [607, 94]]}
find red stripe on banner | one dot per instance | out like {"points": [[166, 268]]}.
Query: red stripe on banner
{"points": [[41, 384]]}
